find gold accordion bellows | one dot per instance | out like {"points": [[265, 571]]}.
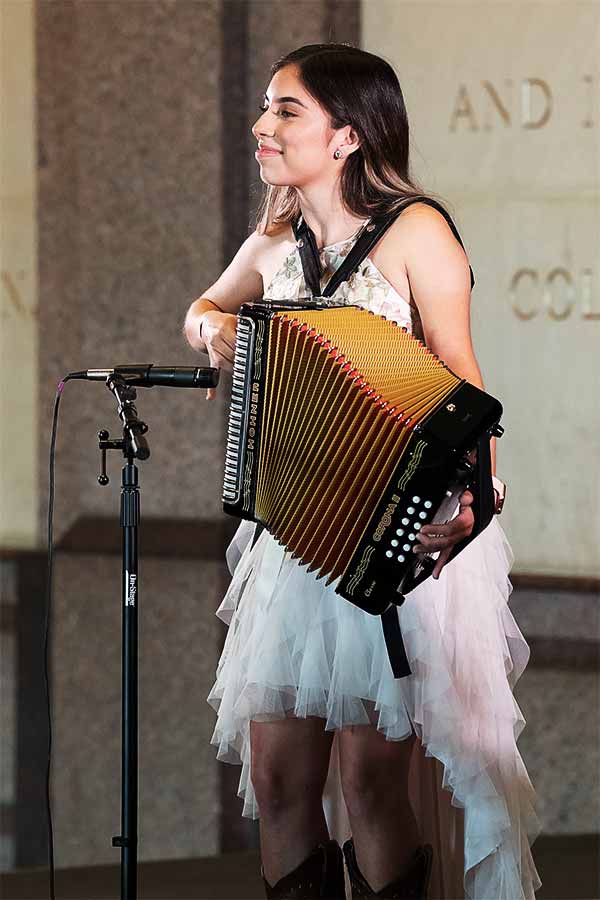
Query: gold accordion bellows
{"points": [[346, 435]]}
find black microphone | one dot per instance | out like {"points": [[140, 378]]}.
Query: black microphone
{"points": [[149, 375]]}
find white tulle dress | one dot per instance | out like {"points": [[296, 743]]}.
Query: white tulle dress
{"points": [[295, 647]]}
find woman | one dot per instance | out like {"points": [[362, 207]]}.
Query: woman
{"points": [[305, 695]]}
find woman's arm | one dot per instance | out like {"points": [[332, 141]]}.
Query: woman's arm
{"points": [[442, 292], [210, 323], [420, 246], [240, 283]]}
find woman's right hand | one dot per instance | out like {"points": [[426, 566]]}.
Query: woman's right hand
{"points": [[216, 308], [218, 335]]}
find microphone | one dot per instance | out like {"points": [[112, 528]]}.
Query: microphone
{"points": [[149, 375]]}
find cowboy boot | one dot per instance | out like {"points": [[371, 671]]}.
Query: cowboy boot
{"points": [[321, 874], [412, 885]]}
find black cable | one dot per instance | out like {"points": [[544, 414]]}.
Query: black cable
{"points": [[59, 391]]}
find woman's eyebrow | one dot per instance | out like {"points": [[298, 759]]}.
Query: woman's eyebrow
{"points": [[287, 100]]}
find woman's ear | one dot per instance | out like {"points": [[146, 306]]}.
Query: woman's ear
{"points": [[350, 140]]}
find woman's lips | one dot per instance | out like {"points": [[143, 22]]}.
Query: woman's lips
{"points": [[264, 152]]}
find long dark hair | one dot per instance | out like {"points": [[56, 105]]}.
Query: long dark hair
{"points": [[362, 90]]}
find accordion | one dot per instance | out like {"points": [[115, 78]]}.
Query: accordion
{"points": [[346, 435]]}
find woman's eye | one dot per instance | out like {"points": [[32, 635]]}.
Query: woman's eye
{"points": [[284, 113]]}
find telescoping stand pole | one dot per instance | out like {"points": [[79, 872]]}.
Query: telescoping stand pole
{"points": [[128, 839], [133, 446]]}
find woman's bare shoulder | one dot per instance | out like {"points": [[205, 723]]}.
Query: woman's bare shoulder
{"points": [[272, 248], [421, 222], [420, 233], [276, 236], [414, 228]]}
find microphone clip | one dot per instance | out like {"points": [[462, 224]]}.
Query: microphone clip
{"points": [[133, 445]]}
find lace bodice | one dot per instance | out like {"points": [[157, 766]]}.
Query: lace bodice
{"points": [[366, 287]]}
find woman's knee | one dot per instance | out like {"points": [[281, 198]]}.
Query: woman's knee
{"points": [[289, 763], [374, 771]]}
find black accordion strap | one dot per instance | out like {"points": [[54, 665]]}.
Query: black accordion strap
{"points": [[368, 237], [309, 256], [394, 643]]}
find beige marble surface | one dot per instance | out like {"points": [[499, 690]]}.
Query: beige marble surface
{"points": [[18, 278]]}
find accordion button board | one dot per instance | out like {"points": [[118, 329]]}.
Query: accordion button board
{"points": [[346, 435]]}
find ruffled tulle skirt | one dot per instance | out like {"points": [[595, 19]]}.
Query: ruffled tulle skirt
{"points": [[295, 647]]}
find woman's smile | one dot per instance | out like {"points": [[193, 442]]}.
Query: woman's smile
{"points": [[266, 152]]}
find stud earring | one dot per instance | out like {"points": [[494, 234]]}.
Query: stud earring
{"points": [[338, 154]]}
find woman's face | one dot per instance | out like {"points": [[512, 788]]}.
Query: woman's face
{"points": [[295, 141]]}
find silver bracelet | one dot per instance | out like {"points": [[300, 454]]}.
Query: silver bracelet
{"points": [[201, 320]]}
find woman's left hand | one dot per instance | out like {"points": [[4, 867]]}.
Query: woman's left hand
{"points": [[444, 537]]}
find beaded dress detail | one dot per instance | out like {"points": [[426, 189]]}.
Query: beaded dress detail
{"points": [[296, 648]]}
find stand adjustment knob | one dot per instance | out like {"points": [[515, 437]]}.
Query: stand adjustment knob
{"points": [[103, 437]]}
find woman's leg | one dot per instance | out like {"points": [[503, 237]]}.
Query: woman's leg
{"points": [[289, 764], [374, 774]]}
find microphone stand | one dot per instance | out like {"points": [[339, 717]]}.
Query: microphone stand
{"points": [[133, 445]]}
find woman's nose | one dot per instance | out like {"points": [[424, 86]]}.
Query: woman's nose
{"points": [[262, 126]]}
